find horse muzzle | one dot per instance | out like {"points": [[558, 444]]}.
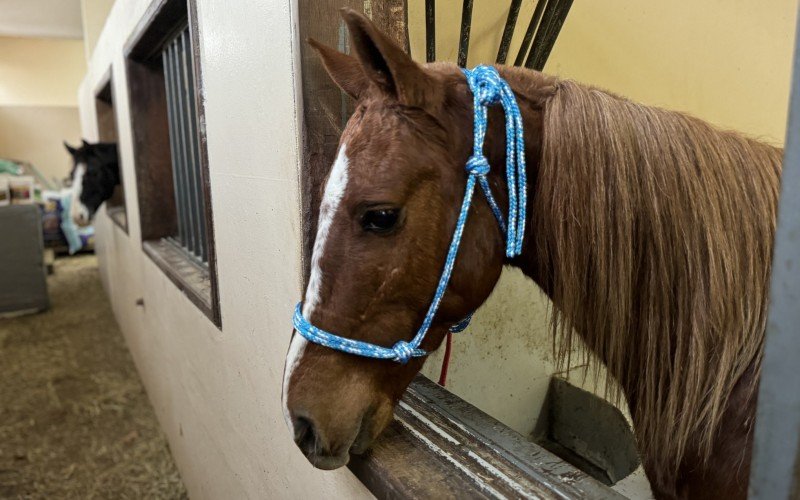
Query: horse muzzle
{"points": [[321, 452]]}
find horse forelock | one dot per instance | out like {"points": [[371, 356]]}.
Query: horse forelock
{"points": [[654, 231]]}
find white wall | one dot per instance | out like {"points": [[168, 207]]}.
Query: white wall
{"points": [[217, 393]]}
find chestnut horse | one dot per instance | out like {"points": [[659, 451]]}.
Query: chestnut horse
{"points": [[650, 230]]}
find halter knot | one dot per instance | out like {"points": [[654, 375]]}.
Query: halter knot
{"points": [[486, 85], [477, 165], [403, 351]]}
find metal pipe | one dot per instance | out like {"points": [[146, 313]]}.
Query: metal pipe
{"points": [[430, 30], [186, 166], [526, 40], [466, 25], [194, 141], [508, 31], [173, 112], [193, 152], [541, 32], [549, 40]]}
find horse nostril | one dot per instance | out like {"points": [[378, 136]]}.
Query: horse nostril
{"points": [[305, 435]]}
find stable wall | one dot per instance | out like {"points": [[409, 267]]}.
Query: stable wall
{"points": [[93, 15], [39, 79], [40, 71], [36, 133], [217, 393]]}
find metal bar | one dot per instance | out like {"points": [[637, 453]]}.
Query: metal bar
{"points": [[543, 52], [526, 40], [180, 165], [191, 159], [172, 115], [463, 40], [430, 30], [194, 140], [189, 163], [188, 160], [508, 31], [544, 25], [775, 467]]}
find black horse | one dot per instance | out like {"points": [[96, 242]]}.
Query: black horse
{"points": [[95, 175]]}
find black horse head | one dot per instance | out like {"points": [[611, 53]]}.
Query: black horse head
{"points": [[95, 174]]}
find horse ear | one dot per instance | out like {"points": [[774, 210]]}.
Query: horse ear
{"points": [[386, 64], [343, 69]]}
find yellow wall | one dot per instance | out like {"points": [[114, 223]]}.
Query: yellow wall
{"points": [[39, 80], [35, 134], [723, 61], [95, 13], [40, 71]]}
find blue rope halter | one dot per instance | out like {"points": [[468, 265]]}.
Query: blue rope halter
{"points": [[488, 88]]}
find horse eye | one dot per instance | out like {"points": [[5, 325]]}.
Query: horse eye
{"points": [[380, 220]]}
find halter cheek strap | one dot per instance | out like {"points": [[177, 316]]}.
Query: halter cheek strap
{"points": [[488, 88]]}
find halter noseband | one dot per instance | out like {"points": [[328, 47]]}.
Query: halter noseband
{"points": [[487, 88]]}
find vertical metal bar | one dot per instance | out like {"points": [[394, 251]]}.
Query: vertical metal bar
{"points": [[177, 162], [544, 26], [775, 468], [430, 30], [549, 39], [463, 40], [180, 164], [508, 31], [526, 40], [181, 134], [194, 141], [191, 142], [172, 114], [187, 152]]}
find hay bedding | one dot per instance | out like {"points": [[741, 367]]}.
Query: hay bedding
{"points": [[75, 421]]}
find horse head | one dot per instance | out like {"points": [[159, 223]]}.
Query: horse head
{"points": [[94, 175], [389, 209]]}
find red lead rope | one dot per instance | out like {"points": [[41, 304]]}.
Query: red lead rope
{"points": [[446, 360]]}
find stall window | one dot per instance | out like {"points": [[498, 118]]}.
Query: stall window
{"points": [[107, 132], [164, 84]]}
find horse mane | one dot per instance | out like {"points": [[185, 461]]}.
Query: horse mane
{"points": [[654, 234]]}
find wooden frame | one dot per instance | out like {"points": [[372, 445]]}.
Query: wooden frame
{"points": [[154, 173], [441, 446], [108, 131], [438, 445]]}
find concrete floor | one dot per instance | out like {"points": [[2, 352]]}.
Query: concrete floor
{"points": [[75, 421]]}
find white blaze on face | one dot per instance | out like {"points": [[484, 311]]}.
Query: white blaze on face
{"points": [[334, 191], [77, 210]]}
